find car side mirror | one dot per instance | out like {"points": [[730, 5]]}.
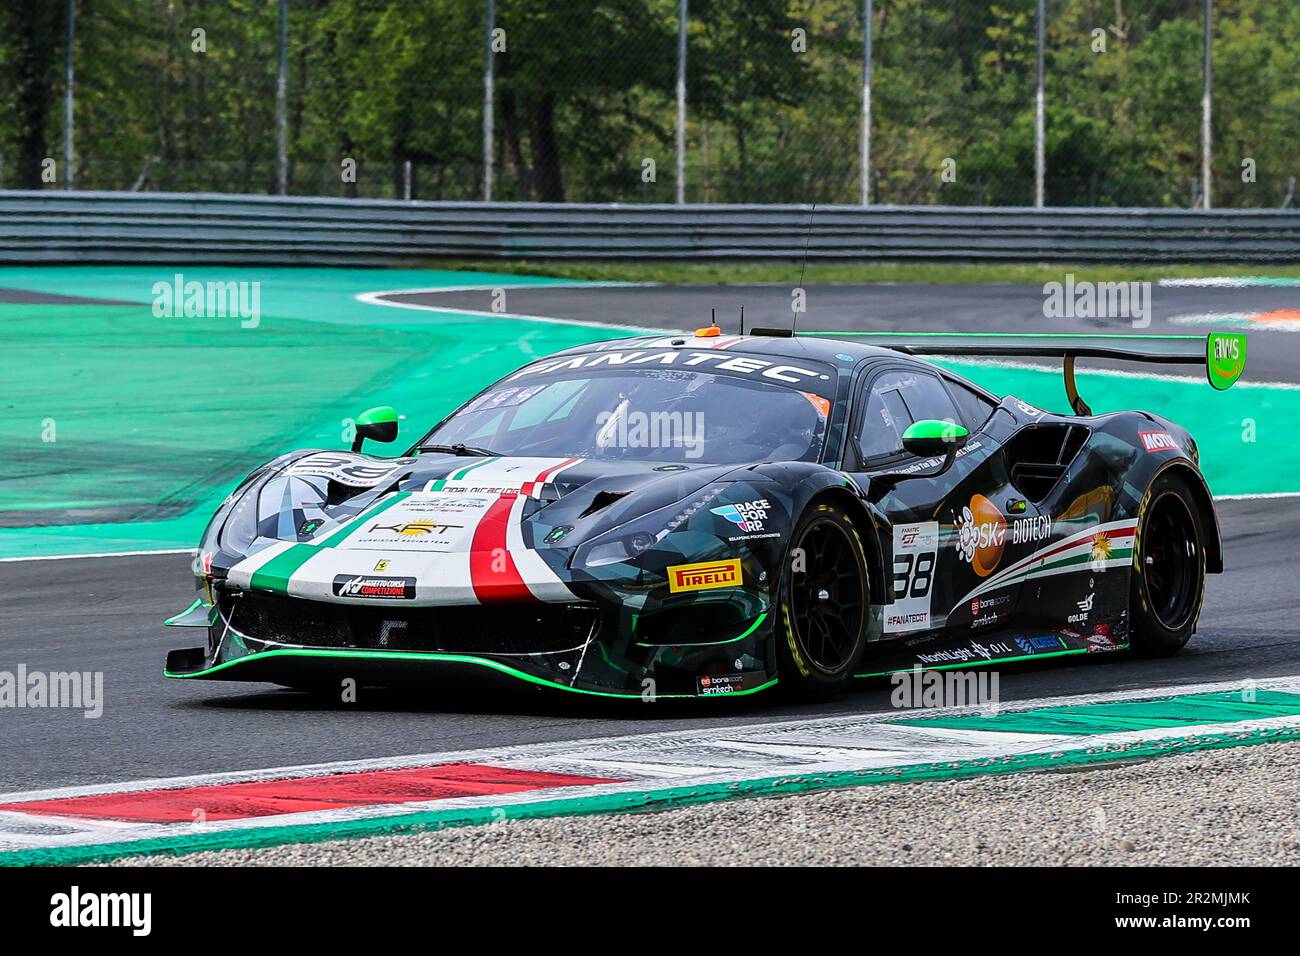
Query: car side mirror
{"points": [[377, 424], [930, 438]]}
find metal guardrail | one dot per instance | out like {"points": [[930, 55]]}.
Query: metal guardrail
{"points": [[49, 226]]}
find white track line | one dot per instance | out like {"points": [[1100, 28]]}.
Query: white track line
{"points": [[376, 298], [1231, 282], [654, 762], [1260, 495], [379, 298], [658, 742], [100, 554]]}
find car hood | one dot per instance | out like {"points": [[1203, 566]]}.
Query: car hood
{"points": [[438, 529]]}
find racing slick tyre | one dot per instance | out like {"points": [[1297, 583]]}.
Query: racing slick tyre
{"points": [[1168, 581], [822, 604]]}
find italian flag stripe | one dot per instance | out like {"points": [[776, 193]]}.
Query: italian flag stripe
{"points": [[1077, 559], [1076, 549], [536, 485], [460, 474], [492, 569], [1077, 540], [275, 574]]}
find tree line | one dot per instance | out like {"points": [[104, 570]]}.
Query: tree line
{"points": [[181, 95]]}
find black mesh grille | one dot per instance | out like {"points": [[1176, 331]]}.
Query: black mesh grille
{"points": [[485, 629], [699, 623]]}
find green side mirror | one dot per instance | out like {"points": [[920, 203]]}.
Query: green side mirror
{"points": [[377, 424], [930, 438]]}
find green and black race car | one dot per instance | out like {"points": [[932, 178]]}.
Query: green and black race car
{"points": [[704, 515]]}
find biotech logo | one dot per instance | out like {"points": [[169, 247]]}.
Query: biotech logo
{"points": [[746, 515], [1029, 530], [981, 535]]}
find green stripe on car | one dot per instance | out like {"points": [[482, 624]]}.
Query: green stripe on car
{"points": [[275, 574]]}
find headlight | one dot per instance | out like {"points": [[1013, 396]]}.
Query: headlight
{"points": [[631, 540], [281, 508], [619, 549], [240, 530]]}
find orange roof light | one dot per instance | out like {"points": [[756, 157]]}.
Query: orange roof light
{"points": [[708, 332]]}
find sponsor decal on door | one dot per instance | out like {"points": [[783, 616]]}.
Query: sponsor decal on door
{"points": [[916, 549]]}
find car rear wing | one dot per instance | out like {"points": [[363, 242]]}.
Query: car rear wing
{"points": [[1223, 354]]}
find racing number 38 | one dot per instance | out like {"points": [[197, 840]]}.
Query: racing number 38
{"points": [[913, 575]]}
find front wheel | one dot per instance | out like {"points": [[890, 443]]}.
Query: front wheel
{"points": [[822, 604], [1168, 568]]}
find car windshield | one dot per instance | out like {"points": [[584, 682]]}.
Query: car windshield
{"points": [[680, 416]]}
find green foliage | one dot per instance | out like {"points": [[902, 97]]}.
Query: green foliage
{"points": [[585, 98]]}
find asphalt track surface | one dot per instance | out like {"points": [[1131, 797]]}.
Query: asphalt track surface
{"points": [[104, 614], [885, 307]]}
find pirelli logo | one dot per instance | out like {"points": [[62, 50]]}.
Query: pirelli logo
{"points": [[704, 576]]}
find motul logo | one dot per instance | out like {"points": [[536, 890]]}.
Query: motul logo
{"points": [[1158, 441]]}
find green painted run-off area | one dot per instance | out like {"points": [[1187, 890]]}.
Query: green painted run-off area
{"points": [[123, 430], [1112, 717]]}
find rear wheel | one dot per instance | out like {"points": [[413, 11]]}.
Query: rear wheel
{"points": [[1168, 568], [822, 605]]}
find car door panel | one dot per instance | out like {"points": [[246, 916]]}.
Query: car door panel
{"points": [[953, 535]]}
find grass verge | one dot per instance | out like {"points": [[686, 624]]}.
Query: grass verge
{"points": [[822, 273]]}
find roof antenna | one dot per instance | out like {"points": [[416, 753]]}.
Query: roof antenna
{"points": [[804, 265], [742, 319]]}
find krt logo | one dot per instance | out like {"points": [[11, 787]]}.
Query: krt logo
{"points": [[413, 529]]}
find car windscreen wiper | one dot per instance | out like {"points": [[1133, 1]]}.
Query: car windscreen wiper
{"points": [[460, 449]]}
